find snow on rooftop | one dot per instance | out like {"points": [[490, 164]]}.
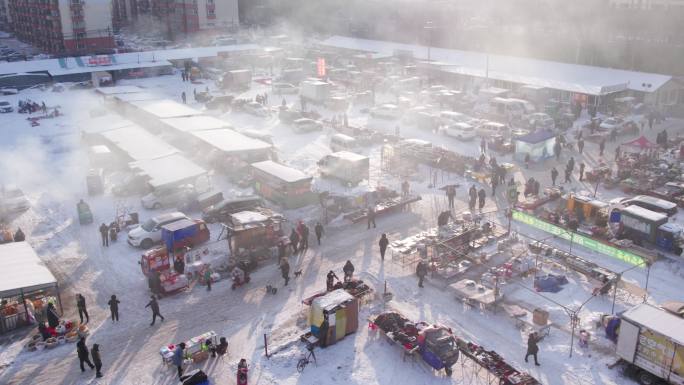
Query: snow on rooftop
{"points": [[102, 123], [644, 213], [118, 90], [657, 320], [247, 217], [280, 171], [165, 108], [347, 155], [195, 123], [168, 170], [230, 141], [332, 300], [138, 143], [22, 270], [555, 75], [113, 67]]}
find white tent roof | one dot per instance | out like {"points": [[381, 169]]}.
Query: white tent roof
{"points": [[102, 123], [332, 300], [229, 141], [138, 143], [127, 60], [280, 171], [22, 270], [195, 123], [657, 320], [554, 75], [168, 170], [165, 108], [347, 155], [137, 97]]}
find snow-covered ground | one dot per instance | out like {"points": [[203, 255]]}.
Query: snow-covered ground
{"points": [[49, 163]]}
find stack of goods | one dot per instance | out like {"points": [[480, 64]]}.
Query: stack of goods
{"points": [[495, 364], [399, 329], [356, 287]]}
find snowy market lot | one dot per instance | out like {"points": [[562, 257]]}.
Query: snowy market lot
{"points": [[48, 162]]}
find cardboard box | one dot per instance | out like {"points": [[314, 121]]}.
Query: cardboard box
{"points": [[540, 317], [200, 356]]}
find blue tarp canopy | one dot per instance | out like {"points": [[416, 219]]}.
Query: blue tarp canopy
{"points": [[536, 137]]}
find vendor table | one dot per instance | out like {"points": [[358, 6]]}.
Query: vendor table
{"points": [[192, 346], [473, 293], [523, 319]]}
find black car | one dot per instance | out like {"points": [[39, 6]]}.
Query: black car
{"points": [[220, 211]]}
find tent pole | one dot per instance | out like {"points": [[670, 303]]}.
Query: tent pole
{"points": [[59, 299]]}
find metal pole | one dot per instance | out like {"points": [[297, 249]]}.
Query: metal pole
{"points": [[617, 279], [648, 274], [573, 322]]}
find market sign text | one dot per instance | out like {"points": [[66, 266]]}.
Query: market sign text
{"points": [[578, 239]]}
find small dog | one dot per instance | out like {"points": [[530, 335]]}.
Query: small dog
{"points": [[297, 273], [271, 290]]}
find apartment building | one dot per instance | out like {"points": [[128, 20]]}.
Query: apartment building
{"points": [[179, 17], [63, 26]]}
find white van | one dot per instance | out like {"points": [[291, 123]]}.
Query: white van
{"points": [[461, 131], [342, 142], [506, 108], [149, 232], [492, 128]]}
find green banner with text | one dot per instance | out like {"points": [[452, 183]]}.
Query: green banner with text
{"points": [[578, 239]]}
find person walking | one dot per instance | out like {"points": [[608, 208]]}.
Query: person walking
{"points": [[421, 272], [285, 270], [472, 193], [580, 145], [451, 194], [371, 217], [183, 98], [154, 305], [114, 307], [207, 277], [83, 354], [82, 310], [481, 196], [97, 361], [348, 271], [405, 188], [533, 347], [571, 164], [294, 241], [104, 232], [495, 183], [617, 153], [383, 245], [178, 358], [527, 161], [554, 175], [602, 146], [483, 145], [581, 171], [557, 149], [304, 241], [318, 229], [567, 175]]}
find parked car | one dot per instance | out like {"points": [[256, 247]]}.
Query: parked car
{"points": [[492, 128], [461, 131], [5, 107], [386, 111], [255, 108], [168, 197], [302, 125], [614, 122], [149, 233], [284, 88], [222, 210]]}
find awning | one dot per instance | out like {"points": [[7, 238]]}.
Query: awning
{"points": [[641, 143], [22, 270]]}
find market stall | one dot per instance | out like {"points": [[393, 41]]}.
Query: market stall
{"points": [[283, 185], [539, 145], [26, 288], [341, 311]]}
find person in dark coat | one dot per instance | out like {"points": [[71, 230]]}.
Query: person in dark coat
{"points": [[104, 232], [568, 173], [207, 278], [178, 358], [421, 272], [348, 270], [285, 270], [19, 236], [383, 245], [154, 282], [602, 146], [95, 353], [154, 305], [318, 229], [330, 280], [580, 145], [114, 307], [581, 171], [183, 98], [532, 347], [52, 316], [323, 331], [571, 164], [451, 194], [557, 149], [483, 145], [179, 264], [81, 305], [554, 175], [83, 354], [294, 241], [617, 153], [371, 217], [481, 195], [222, 347], [304, 241], [472, 193]]}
